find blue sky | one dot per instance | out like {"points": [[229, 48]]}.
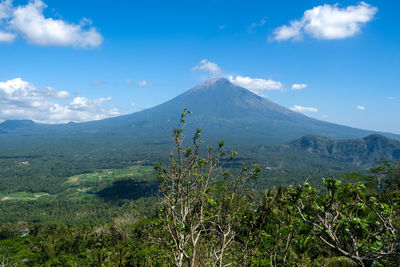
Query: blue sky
{"points": [[63, 61]]}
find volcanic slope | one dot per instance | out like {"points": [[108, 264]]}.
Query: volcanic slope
{"points": [[222, 109]]}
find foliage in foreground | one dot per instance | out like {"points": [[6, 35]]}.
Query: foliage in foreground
{"points": [[207, 217]]}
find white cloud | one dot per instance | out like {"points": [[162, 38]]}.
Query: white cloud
{"points": [[30, 23], [299, 86], [361, 107], [391, 97], [22, 100], [324, 116], [328, 22], [209, 67], [144, 83], [20, 90], [78, 110], [293, 31], [256, 85], [62, 94], [81, 103], [302, 109], [7, 37]]}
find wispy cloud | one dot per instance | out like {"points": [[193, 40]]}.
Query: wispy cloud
{"points": [[29, 22], [327, 22], [208, 67], [302, 109], [144, 83], [256, 25], [361, 108], [391, 97], [299, 86], [20, 99]]}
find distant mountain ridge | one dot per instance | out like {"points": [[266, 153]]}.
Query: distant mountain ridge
{"points": [[359, 151], [17, 124], [222, 109]]}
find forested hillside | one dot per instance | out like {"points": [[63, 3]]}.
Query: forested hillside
{"points": [[362, 151]]}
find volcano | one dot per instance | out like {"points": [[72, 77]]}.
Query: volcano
{"points": [[220, 108], [227, 111]]}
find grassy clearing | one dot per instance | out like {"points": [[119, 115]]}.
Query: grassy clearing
{"points": [[23, 196], [139, 173]]}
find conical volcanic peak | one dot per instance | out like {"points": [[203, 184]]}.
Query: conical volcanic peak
{"points": [[219, 97], [226, 110], [218, 87], [214, 83]]}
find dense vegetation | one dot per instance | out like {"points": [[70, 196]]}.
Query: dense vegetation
{"points": [[207, 213], [35, 187], [94, 197]]}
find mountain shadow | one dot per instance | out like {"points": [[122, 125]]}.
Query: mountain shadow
{"points": [[128, 190]]}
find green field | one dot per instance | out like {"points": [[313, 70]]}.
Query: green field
{"points": [[95, 184], [138, 173], [23, 196]]}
